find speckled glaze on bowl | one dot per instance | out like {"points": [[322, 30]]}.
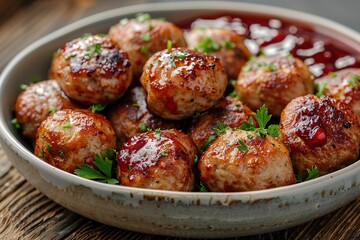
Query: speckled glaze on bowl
{"points": [[163, 212]]}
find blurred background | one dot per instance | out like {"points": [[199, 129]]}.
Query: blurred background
{"points": [[24, 21]]}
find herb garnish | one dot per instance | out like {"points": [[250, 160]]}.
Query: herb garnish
{"points": [[312, 174], [196, 159], [97, 107], [207, 45], [142, 127], [15, 123], [203, 188], [242, 146], [67, 125], [143, 49], [332, 74], [143, 17], [53, 110], [228, 44], [196, 115], [220, 128], [157, 134], [210, 139], [355, 80], [163, 153], [320, 87], [271, 68], [262, 116], [104, 164], [146, 37], [168, 45]]}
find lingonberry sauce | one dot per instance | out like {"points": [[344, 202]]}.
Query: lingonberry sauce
{"points": [[269, 36]]}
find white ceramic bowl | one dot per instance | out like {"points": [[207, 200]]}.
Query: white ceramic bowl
{"points": [[164, 212]]}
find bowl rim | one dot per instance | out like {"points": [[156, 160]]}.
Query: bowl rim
{"points": [[288, 14]]}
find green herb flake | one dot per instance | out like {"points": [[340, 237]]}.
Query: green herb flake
{"points": [[203, 188], [168, 45], [35, 80], [271, 68], [142, 127], [220, 128], [136, 105], [262, 117], [312, 174], [61, 153], [53, 110], [104, 166], [320, 88], [157, 134], [237, 105], [41, 156], [124, 21], [143, 17], [196, 115], [179, 55], [15, 123], [146, 37], [150, 27], [85, 35], [210, 139], [261, 52], [143, 49], [67, 125], [228, 44], [249, 136], [70, 56], [24, 86], [48, 148], [97, 107], [207, 45], [332, 74], [196, 159], [102, 34], [242, 146], [163, 153]]}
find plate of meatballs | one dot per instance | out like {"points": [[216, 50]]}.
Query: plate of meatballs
{"points": [[222, 120]]}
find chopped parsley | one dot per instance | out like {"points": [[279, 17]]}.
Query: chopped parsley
{"points": [[24, 86], [168, 45], [163, 153], [104, 163], [242, 146], [220, 128], [143, 17], [53, 110], [61, 153], [203, 188], [210, 139], [48, 148], [15, 123], [146, 37], [143, 49], [312, 174], [67, 125], [207, 45], [262, 116], [85, 35], [332, 74], [196, 115], [228, 44], [142, 127], [91, 50], [261, 52], [124, 21], [136, 105], [157, 134], [97, 107], [70, 56], [196, 159], [102, 34], [320, 87], [355, 79], [35, 80], [150, 27], [271, 68]]}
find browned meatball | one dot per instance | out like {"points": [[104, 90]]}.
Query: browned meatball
{"points": [[228, 111], [36, 102], [158, 160], [71, 137], [143, 36], [180, 82], [321, 132], [273, 81], [241, 161], [343, 85], [92, 70], [131, 116], [224, 43]]}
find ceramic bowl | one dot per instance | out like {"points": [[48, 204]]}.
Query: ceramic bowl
{"points": [[169, 213]]}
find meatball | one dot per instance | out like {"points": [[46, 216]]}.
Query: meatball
{"points": [[143, 36], [71, 137], [36, 102], [180, 82], [131, 116], [242, 161], [273, 81], [343, 85], [158, 160], [224, 43], [92, 70], [321, 132], [227, 112]]}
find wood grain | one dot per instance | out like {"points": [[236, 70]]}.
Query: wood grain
{"points": [[25, 213]]}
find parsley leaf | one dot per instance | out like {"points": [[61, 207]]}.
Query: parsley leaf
{"points": [[163, 153], [332, 74], [207, 45], [242, 146], [143, 17], [262, 116], [312, 174], [220, 128], [146, 37], [210, 139], [142, 127], [15, 123], [196, 159], [157, 134], [143, 49], [320, 87], [196, 115], [104, 163], [97, 107], [203, 188], [168, 45]]}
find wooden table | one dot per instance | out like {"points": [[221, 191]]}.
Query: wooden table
{"points": [[25, 213]]}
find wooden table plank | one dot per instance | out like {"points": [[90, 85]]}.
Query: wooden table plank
{"points": [[25, 213]]}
